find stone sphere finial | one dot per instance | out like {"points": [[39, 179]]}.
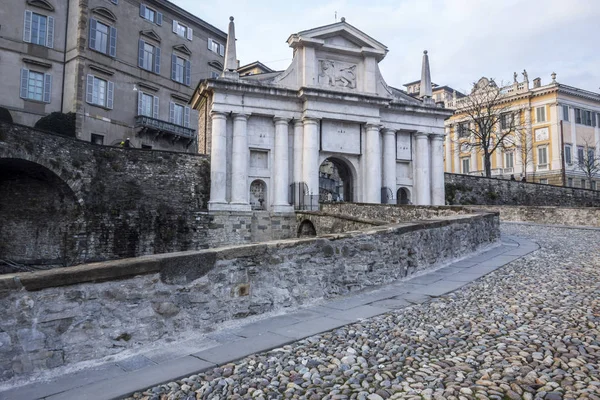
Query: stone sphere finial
{"points": [[424, 51], [231, 19], [343, 19]]}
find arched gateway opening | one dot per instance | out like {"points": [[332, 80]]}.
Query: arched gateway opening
{"points": [[40, 217], [403, 196], [335, 181]]}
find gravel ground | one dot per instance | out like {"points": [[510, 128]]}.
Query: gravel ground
{"points": [[529, 330]]}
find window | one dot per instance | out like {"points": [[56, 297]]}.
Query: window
{"points": [[577, 116], [591, 156], [103, 38], [463, 129], [542, 156], [570, 182], [583, 183], [509, 160], [97, 139], [565, 113], [147, 105], [466, 162], [149, 57], [580, 154], [588, 118], [184, 31], [214, 74], [151, 15], [506, 121], [38, 29], [99, 92], [544, 181], [180, 70], [35, 86], [216, 47], [179, 115], [593, 187], [568, 154], [540, 114]]}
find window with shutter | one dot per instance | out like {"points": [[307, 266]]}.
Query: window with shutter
{"points": [[38, 29], [565, 113], [47, 88], [186, 117], [188, 72], [27, 27], [157, 60], [568, 154], [171, 112], [103, 38], [24, 82], [113, 42], [155, 111], [50, 33], [110, 95], [89, 89]]}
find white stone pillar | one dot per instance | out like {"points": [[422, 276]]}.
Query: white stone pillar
{"points": [[218, 161], [437, 170], [373, 161], [298, 145], [239, 164], [421, 177], [281, 166], [389, 160], [310, 161]]}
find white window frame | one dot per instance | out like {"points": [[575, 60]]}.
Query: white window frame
{"points": [[465, 161], [144, 55], [154, 110], [189, 32], [542, 150], [185, 114], [26, 86], [28, 27], [540, 111], [216, 47], [181, 72], [568, 154], [156, 17], [93, 84], [580, 154], [570, 182], [509, 159], [565, 113], [593, 187], [110, 48]]}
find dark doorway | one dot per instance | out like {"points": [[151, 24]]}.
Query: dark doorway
{"points": [[335, 181], [403, 196]]}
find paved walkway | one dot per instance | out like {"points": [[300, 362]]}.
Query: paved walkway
{"points": [[117, 380]]}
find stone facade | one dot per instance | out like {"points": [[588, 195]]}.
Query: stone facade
{"points": [[60, 317], [465, 189], [64, 201]]}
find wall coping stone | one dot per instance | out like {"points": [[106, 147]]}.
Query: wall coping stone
{"points": [[344, 217]]}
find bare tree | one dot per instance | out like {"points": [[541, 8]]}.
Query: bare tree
{"points": [[523, 142], [590, 162], [490, 122]]}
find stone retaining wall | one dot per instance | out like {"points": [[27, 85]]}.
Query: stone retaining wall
{"points": [[325, 223], [570, 216], [63, 316], [467, 190], [392, 213]]}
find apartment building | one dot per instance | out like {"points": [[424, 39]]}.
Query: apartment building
{"points": [[444, 96], [558, 129], [127, 68]]}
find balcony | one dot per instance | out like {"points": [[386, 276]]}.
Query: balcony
{"points": [[163, 128]]}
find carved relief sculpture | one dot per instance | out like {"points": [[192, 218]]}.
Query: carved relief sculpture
{"points": [[336, 73]]}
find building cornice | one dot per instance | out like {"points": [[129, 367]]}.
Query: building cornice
{"points": [[180, 12]]}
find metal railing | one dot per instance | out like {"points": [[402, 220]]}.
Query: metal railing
{"points": [[164, 126]]}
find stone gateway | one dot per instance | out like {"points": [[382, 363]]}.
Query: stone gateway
{"points": [[326, 129]]}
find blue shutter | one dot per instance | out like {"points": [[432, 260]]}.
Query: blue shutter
{"points": [[27, 27], [221, 50], [141, 54], [113, 42], [140, 96], [142, 11], [90, 89], [174, 26], [110, 94], [159, 19], [173, 66], [50, 33], [157, 60], [171, 112], [210, 44], [155, 110], [190, 33], [47, 88], [186, 117], [24, 82], [92, 34], [188, 72]]}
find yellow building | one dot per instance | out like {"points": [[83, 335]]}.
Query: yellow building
{"points": [[558, 124]]}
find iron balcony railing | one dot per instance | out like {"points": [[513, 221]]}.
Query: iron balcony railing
{"points": [[163, 126]]}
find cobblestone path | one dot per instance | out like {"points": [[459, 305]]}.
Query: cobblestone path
{"points": [[529, 330]]}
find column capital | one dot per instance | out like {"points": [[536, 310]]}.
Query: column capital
{"points": [[387, 131], [217, 114], [298, 123], [243, 116], [372, 127], [421, 135], [281, 120], [437, 136], [310, 121]]}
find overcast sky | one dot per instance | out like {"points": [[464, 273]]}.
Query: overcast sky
{"points": [[466, 39]]}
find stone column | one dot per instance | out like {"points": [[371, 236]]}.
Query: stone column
{"points": [[218, 161], [310, 160], [281, 166], [373, 161], [389, 160], [239, 164], [298, 145], [437, 170], [421, 177]]}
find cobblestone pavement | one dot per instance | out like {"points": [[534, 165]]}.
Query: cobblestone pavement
{"points": [[528, 330]]}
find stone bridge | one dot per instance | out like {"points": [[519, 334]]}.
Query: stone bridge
{"points": [[65, 201]]}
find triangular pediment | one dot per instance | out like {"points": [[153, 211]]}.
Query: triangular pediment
{"points": [[150, 34], [182, 48], [340, 35]]}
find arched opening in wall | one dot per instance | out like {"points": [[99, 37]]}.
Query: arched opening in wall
{"points": [[403, 196], [335, 181], [40, 218], [258, 195], [306, 229], [5, 115]]}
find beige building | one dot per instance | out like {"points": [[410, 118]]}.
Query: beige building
{"points": [[559, 127], [442, 95], [126, 68]]}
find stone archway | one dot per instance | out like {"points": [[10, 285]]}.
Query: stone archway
{"points": [[403, 196], [41, 217], [258, 195], [306, 229], [336, 182]]}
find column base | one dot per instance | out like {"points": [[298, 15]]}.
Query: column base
{"points": [[283, 208]]}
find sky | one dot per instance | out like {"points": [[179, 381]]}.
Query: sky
{"points": [[466, 39]]}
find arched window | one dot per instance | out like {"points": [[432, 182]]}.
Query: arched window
{"points": [[258, 195]]}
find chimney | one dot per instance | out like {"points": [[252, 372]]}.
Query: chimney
{"points": [[537, 82]]}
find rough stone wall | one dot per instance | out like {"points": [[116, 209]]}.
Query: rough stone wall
{"points": [[133, 201], [325, 223], [392, 213], [44, 325], [466, 190], [227, 228], [570, 216]]}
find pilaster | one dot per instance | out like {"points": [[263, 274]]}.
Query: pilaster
{"points": [[281, 166], [437, 170], [373, 161], [239, 164], [422, 177], [310, 158]]}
